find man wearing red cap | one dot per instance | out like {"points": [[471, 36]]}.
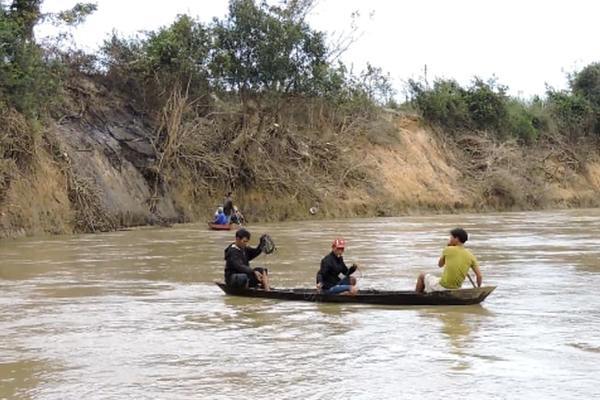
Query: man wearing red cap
{"points": [[334, 276]]}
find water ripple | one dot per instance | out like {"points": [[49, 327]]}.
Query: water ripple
{"points": [[136, 314]]}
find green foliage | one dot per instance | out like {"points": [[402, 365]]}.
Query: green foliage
{"points": [[521, 121], [375, 85], [482, 106], [444, 104], [574, 115], [541, 119], [333, 82], [77, 14], [25, 14], [486, 102], [356, 94], [178, 53], [122, 61], [172, 57], [29, 79], [263, 48], [586, 83], [256, 49], [26, 81]]}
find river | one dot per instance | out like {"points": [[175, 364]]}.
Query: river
{"points": [[136, 315]]}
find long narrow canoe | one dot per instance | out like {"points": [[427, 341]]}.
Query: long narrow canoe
{"points": [[384, 297]]}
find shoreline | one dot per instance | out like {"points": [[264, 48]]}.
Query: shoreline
{"points": [[413, 213]]}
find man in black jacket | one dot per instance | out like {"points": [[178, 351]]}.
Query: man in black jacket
{"points": [[332, 266], [237, 263]]}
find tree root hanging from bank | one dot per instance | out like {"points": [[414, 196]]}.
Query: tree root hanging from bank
{"points": [[89, 214], [252, 147]]}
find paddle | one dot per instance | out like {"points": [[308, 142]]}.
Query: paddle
{"points": [[471, 279]]}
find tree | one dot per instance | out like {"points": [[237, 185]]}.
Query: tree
{"points": [[586, 83], [445, 103], [26, 14], [262, 48], [178, 54], [27, 78], [172, 58], [573, 113], [376, 85], [487, 104]]}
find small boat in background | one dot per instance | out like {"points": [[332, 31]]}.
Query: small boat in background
{"points": [[221, 227], [369, 296]]}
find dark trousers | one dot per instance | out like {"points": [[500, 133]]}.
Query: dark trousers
{"points": [[243, 280]]}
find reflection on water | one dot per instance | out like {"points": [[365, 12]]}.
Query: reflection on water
{"points": [[459, 326], [136, 314]]}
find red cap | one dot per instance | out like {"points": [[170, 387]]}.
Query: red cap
{"points": [[339, 244]]}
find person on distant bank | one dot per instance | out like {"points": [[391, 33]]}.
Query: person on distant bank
{"points": [[334, 276], [238, 255], [456, 261]]}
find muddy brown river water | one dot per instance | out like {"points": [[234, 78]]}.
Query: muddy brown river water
{"points": [[136, 315]]}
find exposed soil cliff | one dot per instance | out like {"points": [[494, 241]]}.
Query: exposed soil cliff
{"points": [[103, 166]]}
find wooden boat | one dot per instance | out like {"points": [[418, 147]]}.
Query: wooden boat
{"points": [[384, 297], [221, 227]]}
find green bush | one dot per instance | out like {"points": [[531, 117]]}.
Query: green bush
{"points": [[541, 118], [146, 69], [180, 52], [30, 76], [486, 103], [25, 80], [573, 114], [256, 49], [361, 94], [263, 48], [482, 106], [586, 83], [521, 122], [444, 104]]}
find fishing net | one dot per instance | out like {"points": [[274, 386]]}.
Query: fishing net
{"points": [[267, 243]]}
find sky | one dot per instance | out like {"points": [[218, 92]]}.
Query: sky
{"points": [[526, 44]]}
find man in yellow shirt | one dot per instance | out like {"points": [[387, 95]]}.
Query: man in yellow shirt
{"points": [[456, 261]]}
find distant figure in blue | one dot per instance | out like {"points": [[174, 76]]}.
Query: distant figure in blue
{"points": [[220, 218]]}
